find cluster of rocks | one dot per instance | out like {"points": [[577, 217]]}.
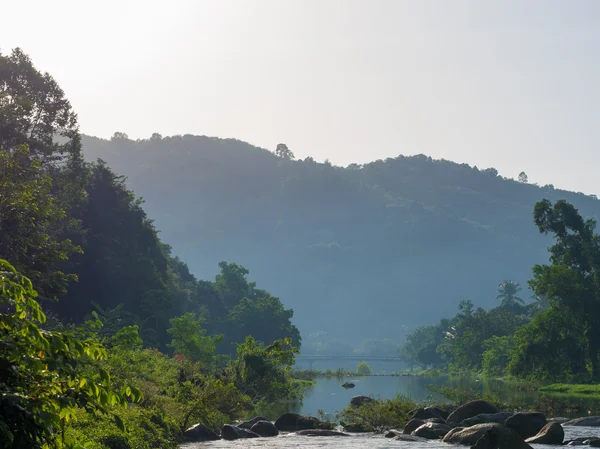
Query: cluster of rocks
{"points": [[481, 425], [260, 426], [477, 424]]}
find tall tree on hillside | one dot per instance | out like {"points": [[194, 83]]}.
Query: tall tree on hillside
{"points": [[523, 178], [284, 152], [507, 294], [572, 280], [34, 111]]}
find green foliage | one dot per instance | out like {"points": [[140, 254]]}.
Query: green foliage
{"points": [[189, 339], [507, 293], [46, 376], [380, 415], [29, 221], [363, 369], [497, 355], [260, 372], [127, 338], [551, 347], [571, 281], [34, 111]]}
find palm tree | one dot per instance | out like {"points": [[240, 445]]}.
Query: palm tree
{"points": [[507, 293]]}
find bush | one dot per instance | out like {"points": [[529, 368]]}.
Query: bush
{"points": [[363, 369], [379, 415]]}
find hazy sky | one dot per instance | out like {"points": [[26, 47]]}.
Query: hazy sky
{"points": [[508, 84]]}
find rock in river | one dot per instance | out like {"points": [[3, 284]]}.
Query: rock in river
{"points": [[588, 421], [469, 410], [526, 424], [432, 430], [248, 424], [484, 418], [229, 432], [265, 429], [290, 422], [199, 433], [498, 437], [551, 433]]}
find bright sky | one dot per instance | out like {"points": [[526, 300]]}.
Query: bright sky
{"points": [[510, 84]]}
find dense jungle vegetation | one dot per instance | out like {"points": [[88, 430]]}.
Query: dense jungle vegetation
{"points": [[96, 313]]}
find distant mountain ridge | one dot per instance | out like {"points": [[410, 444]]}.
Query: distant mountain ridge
{"points": [[358, 251]]}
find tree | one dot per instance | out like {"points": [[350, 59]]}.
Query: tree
{"points": [[571, 281], [284, 152], [264, 318], [507, 293], [189, 339], [363, 369], [30, 219], [34, 111], [523, 178]]}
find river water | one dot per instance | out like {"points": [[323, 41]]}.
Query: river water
{"points": [[329, 397]]}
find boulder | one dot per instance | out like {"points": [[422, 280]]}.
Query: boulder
{"points": [[432, 431], [429, 412], [413, 425], [593, 442], [551, 433], [499, 437], [229, 432], [588, 421], [248, 424], [484, 418], [199, 433], [357, 401], [469, 410], [290, 422], [348, 385], [526, 424], [265, 429], [321, 433]]}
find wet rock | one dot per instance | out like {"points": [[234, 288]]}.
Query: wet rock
{"points": [[588, 421], [526, 424], [229, 432], [551, 433], [413, 425], [348, 385], [199, 433], [248, 424], [593, 442], [358, 401], [410, 438], [290, 422], [392, 433], [484, 418], [499, 437], [265, 429], [321, 433], [470, 410], [429, 412], [432, 431]]}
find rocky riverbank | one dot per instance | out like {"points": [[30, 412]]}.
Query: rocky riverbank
{"points": [[477, 424]]}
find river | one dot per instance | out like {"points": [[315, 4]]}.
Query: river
{"points": [[328, 396]]}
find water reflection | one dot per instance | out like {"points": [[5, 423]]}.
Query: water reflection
{"points": [[328, 395]]}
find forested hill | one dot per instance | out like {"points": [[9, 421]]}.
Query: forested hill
{"points": [[358, 251]]}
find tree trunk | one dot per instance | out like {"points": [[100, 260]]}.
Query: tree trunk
{"points": [[593, 347]]}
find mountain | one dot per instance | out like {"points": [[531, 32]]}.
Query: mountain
{"points": [[358, 252]]}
